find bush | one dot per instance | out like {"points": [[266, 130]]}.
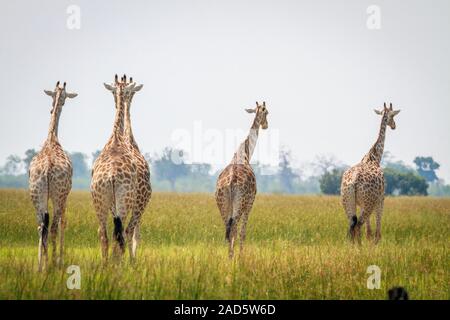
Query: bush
{"points": [[330, 182]]}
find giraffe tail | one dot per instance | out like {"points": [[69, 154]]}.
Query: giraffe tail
{"points": [[228, 229], [45, 217], [118, 226], [234, 200], [353, 222]]}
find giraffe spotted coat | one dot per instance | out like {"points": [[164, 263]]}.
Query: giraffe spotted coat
{"points": [[113, 181], [236, 184], [363, 184], [50, 178]]}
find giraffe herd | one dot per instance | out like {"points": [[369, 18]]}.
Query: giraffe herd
{"points": [[120, 183]]}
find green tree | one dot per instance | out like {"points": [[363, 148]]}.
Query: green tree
{"points": [[12, 165], [29, 155], [80, 168], [170, 166], [286, 174], [401, 183], [330, 181], [426, 167]]}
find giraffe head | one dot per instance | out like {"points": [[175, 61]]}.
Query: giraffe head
{"points": [[122, 89], [59, 96], [135, 89], [261, 114], [388, 115]]}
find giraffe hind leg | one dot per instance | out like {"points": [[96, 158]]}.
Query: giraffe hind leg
{"points": [[62, 227], [232, 240], [349, 203], [223, 200], [39, 197], [369, 234], [233, 220], [102, 214], [243, 232], [43, 236], [132, 233], [54, 230], [379, 213], [58, 212]]}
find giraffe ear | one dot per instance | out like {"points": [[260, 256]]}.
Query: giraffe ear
{"points": [[378, 112], [250, 110], [49, 93], [137, 88], [71, 95], [108, 87], [396, 112]]}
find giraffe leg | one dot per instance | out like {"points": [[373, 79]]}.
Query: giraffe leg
{"points": [[224, 204], [233, 221], [62, 227], [39, 197], [244, 224], [359, 224], [349, 204], [132, 234], [379, 213], [43, 221], [363, 218], [369, 234], [232, 239], [54, 230], [136, 238], [102, 232], [243, 233]]}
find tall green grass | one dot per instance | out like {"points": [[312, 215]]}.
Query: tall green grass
{"points": [[296, 248]]}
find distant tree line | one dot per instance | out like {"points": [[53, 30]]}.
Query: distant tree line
{"points": [[170, 172], [400, 179]]}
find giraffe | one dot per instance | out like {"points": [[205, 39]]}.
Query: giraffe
{"points": [[363, 184], [50, 178], [114, 175], [143, 189], [236, 184]]}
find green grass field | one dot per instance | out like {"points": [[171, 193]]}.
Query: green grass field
{"points": [[296, 249]]}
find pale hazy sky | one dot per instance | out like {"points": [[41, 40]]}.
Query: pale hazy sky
{"points": [[319, 68]]}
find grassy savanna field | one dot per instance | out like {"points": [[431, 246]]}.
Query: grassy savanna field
{"points": [[296, 248]]}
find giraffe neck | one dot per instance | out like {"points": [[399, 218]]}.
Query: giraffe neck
{"points": [[376, 152], [129, 137], [246, 148], [54, 121], [118, 129]]}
